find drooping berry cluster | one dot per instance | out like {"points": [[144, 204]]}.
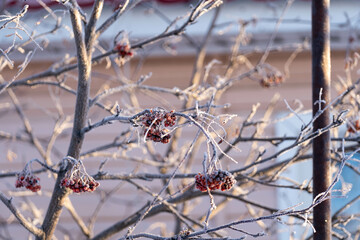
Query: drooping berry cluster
{"points": [[156, 123], [271, 80], [77, 179], [28, 180], [79, 185], [218, 179], [123, 50]]}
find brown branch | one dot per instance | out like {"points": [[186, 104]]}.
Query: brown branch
{"points": [[346, 206], [81, 107], [195, 78], [90, 36], [195, 13], [118, 226], [58, 129], [22, 68], [84, 70], [273, 35], [105, 196], [160, 208], [16, 17], [324, 196], [23, 221], [9, 136], [26, 122], [13, 174], [172, 209], [52, 72], [111, 19], [186, 196], [56, 72], [304, 139]]}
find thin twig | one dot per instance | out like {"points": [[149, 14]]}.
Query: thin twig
{"points": [[23, 221]]}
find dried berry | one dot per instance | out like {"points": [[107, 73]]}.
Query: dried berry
{"points": [[28, 180], [271, 79], [156, 123], [123, 50], [78, 180], [80, 184], [218, 179], [353, 126]]}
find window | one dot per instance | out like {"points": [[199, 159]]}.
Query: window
{"points": [[303, 172]]}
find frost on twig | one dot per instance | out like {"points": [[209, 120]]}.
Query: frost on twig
{"points": [[76, 178], [156, 149]]}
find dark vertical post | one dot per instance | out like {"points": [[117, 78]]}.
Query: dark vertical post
{"points": [[321, 144]]}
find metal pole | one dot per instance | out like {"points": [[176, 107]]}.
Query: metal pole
{"points": [[321, 145]]}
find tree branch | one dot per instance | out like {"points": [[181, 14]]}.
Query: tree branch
{"points": [[81, 108], [28, 225]]}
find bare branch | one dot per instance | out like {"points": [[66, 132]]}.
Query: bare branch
{"points": [[23, 221], [90, 36], [81, 108], [26, 123]]}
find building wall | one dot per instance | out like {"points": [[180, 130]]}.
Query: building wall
{"points": [[166, 72]]}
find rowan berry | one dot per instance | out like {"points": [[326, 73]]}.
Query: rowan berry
{"points": [[123, 50], [218, 179], [28, 180], [156, 123], [271, 79], [77, 180]]}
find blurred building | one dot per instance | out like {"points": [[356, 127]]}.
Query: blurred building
{"points": [[171, 63]]}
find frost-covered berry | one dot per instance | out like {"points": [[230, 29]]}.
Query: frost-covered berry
{"points": [[123, 50], [156, 124], [218, 179], [28, 180], [77, 180]]}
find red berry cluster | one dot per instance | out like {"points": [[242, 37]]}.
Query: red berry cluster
{"points": [[78, 184], [123, 50], [271, 80], [354, 126], [77, 178], [156, 123], [218, 179], [28, 181]]}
